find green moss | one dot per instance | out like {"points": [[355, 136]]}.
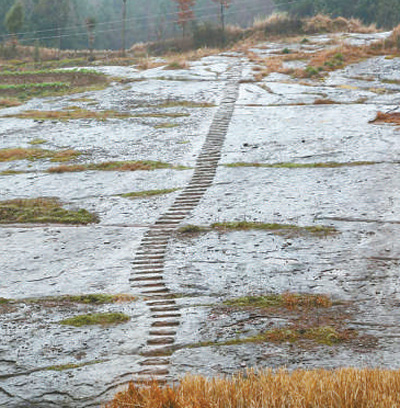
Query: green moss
{"points": [[64, 367], [116, 166], [246, 225], [25, 84], [192, 229], [3, 301], [182, 104], [10, 172], [88, 100], [35, 142], [166, 125], [161, 115], [88, 299], [311, 71], [149, 193], [326, 335], [101, 319], [33, 87], [42, 210], [302, 165], [53, 72], [286, 300], [175, 65], [71, 113], [18, 153]]}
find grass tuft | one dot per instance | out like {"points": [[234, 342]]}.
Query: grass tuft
{"points": [[73, 113], [191, 229], [166, 125], [36, 142], [42, 210], [289, 165], [115, 166], [149, 193], [287, 300], [10, 172], [20, 153], [101, 319], [177, 65], [318, 230], [181, 104], [88, 299], [9, 102], [64, 367]]}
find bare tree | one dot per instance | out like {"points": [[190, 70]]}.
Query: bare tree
{"points": [[223, 5], [185, 13], [90, 25], [124, 28]]}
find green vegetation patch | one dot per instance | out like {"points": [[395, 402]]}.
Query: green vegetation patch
{"points": [[4, 301], [302, 165], [25, 84], [101, 319], [318, 230], [10, 172], [73, 113], [20, 153], [88, 299], [149, 193], [160, 115], [176, 65], [36, 142], [286, 300], [166, 125], [17, 88], [327, 335], [42, 210], [182, 104], [192, 229], [64, 367], [116, 166]]}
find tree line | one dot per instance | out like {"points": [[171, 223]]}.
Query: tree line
{"points": [[76, 24], [384, 13], [115, 24]]}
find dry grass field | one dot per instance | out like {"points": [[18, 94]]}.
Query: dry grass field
{"points": [[343, 388]]}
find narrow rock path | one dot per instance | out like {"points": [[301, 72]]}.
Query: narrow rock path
{"points": [[148, 265]]}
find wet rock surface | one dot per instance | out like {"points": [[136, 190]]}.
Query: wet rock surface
{"points": [[45, 364]]}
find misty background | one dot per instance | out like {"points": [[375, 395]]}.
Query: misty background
{"points": [[150, 20]]}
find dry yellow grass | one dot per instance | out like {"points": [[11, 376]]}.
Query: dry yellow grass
{"points": [[342, 388], [325, 24]]}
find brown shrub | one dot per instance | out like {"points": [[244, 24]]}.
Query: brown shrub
{"points": [[392, 117]]}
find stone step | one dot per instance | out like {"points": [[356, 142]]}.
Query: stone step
{"points": [[160, 341], [166, 323]]}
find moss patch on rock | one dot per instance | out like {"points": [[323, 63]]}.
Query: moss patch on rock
{"points": [[42, 210], [289, 165], [149, 193], [116, 166], [19, 153], [100, 319], [286, 300]]}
